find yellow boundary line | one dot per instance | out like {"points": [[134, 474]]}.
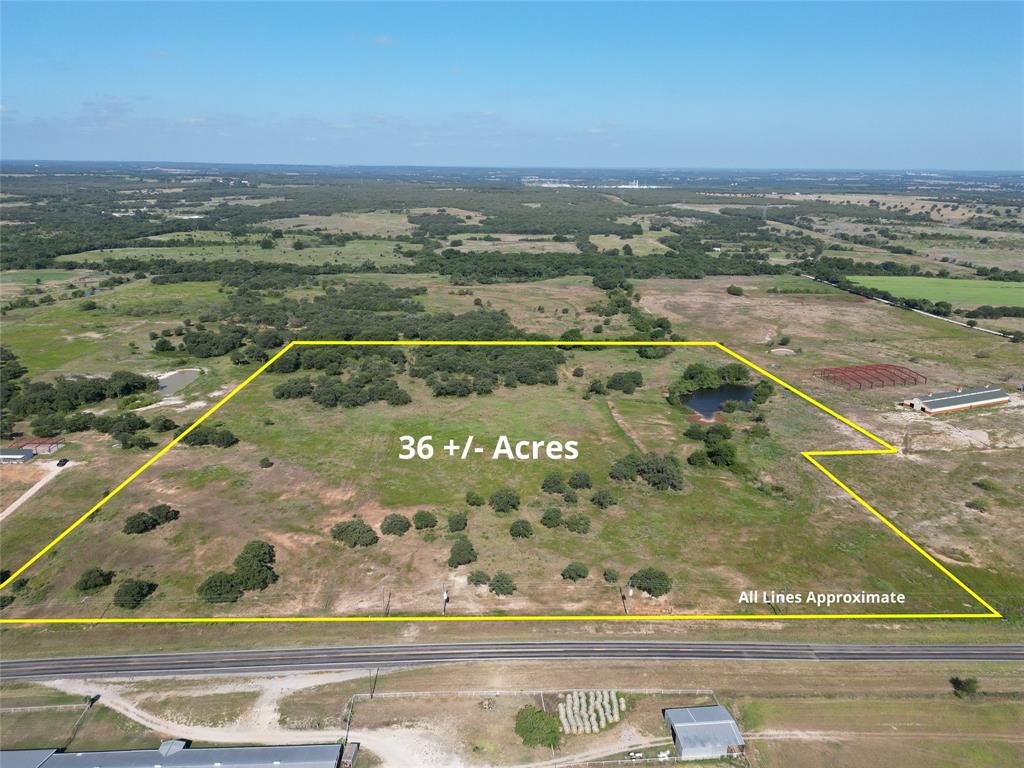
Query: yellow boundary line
{"points": [[886, 448]]}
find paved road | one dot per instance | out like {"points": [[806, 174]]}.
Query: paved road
{"points": [[306, 659]]}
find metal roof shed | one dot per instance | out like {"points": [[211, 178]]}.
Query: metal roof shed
{"points": [[702, 733]]}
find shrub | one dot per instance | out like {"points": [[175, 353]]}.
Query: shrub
{"points": [[478, 578], [538, 728], [694, 432], [266, 463], [579, 480], [132, 592], [163, 513], [457, 521], [575, 572], [553, 483], [652, 581], [462, 553], [220, 587], [552, 518], [474, 499], [763, 391], [734, 290], [570, 496], [698, 458], [964, 687], [502, 584], [758, 432], [721, 454], [578, 523], [611, 576], [521, 529], [354, 533], [660, 472], [986, 484], [603, 498], [5, 600], [424, 519], [577, 372], [504, 500], [162, 424], [140, 522], [395, 525], [626, 382], [92, 579]]}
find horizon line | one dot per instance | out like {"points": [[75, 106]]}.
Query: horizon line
{"points": [[661, 168]]}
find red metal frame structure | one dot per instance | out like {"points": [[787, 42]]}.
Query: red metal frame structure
{"points": [[871, 376]]}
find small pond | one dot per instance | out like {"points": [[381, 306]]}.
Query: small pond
{"points": [[708, 402], [175, 381]]}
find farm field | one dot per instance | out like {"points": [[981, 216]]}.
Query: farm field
{"points": [[959, 293], [785, 528]]}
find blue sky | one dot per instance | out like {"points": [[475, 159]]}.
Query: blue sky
{"points": [[762, 85]]}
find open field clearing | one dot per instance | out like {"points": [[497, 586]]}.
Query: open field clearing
{"points": [[380, 252], [371, 224], [959, 293], [508, 243]]}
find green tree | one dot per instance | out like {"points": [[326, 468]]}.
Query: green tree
{"points": [[502, 584], [220, 587], [93, 579], [457, 521], [553, 483], [603, 498], [395, 525], [462, 553], [140, 522], [478, 578], [254, 565], [538, 728], [132, 592], [575, 572], [579, 480], [504, 500], [354, 533], [652, 581], [611, 576], [164, 513], [424, 519], [521, 529], [552, 517], [474, 499], [578, 523]]}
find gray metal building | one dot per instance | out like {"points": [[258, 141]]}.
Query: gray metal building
{"points": [[175, 753], [703, 733]]}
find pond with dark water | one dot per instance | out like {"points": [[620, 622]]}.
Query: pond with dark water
{"points": [[708, 402]]}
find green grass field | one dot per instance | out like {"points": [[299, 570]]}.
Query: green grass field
{"points": [[959, 293]]}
